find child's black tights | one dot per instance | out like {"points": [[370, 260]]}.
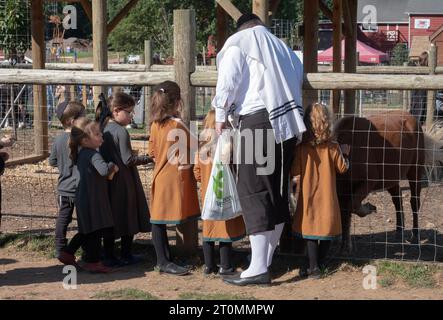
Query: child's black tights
{"points": [[225, 254], [317, 252], [126, 246], [161, 244]]}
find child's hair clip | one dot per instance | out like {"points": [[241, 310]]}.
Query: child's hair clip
{"points": [[162, 90]]}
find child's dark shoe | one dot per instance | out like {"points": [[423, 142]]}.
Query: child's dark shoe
{"points": [[97, 267], [67, 258], [112, 262], [209, 270], [132, 259], [308, 273], [174, 269], [226, 271]]}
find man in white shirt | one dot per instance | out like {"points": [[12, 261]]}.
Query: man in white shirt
{"points": [[260, 78]]}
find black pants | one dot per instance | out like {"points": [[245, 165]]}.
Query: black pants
{"points": [[66, 209], [317, 252], [264, 198], [109, 246]]}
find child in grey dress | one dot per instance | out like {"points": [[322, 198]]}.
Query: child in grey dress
{"points": [[128, 201], [91, 198]]}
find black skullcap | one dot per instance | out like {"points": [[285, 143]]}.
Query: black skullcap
{"points": [[61, 109], [245, 18]]}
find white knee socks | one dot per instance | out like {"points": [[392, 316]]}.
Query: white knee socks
{"points": [[260, 243], [275, 237]]}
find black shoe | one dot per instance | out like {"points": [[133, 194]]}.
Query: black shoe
{"points": [[261, 279], [112, 262], [226, 272], [174, 269], [209, 270], [132, 259], [307, 273]]}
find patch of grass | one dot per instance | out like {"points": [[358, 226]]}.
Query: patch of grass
{"points": [[212, 296], [40, 243], [125, 294], [414, 275]]}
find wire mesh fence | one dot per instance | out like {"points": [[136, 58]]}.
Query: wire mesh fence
{"points": [[30, 190]]}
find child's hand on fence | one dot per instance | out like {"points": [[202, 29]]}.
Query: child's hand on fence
{"points": [[345, 149]]}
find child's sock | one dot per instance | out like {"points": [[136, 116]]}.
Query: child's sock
{"points": [[208, 253], [158, 236], [109, 247], [259, 254], [275, 237], [323, 250], [225, 254], [126, 246], [312, 246]]}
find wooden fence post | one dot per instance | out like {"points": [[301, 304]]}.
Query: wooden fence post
{"points": [[39, 91], [310, 46], [100, 48], [431, 94], [184, 65], [148, 90], [351, 58]]}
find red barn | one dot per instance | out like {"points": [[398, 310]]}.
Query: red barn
{"points": [[389, 22]]}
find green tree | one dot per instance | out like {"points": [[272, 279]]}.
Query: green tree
{"points": [[14, 27], [400, 54], [153, 19]]}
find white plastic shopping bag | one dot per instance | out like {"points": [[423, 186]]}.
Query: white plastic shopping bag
{"points": [[221, 199]]}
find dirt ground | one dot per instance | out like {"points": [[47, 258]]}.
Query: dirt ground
{"points": [[27, 276]]}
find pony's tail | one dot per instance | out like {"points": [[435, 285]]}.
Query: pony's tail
{"points": [[433, 137]]}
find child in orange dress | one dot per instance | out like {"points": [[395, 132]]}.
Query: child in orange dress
{"points": [[174, 197], [317, 159], [225, 232]]}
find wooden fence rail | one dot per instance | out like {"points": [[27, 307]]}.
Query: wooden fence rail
{"points": [[312, 81]]}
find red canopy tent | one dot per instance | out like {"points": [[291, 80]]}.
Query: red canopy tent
{"points": [[367, 54]]}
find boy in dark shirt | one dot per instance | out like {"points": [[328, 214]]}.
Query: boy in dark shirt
{"points": [[68, 178]]}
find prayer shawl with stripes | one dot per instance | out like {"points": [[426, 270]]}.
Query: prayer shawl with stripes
{"points": [[281, 79]]}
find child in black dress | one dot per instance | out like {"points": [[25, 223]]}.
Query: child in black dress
{"points": [[91, 198], [128, 201]]}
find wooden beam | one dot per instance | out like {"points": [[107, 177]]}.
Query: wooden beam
{"points": [[208, 78], [310, 46], [273, 6], [121, 15], [184, 65], [337, 51], [355, 81], [39, 91], [87, 7], [261, 9], [347, 17], [100, 42], [147, 90], [222, 26], [230, 9], [351, 60], [431, 94]]}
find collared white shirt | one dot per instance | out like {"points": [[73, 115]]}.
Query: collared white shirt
{"points": [[237, 85]]}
